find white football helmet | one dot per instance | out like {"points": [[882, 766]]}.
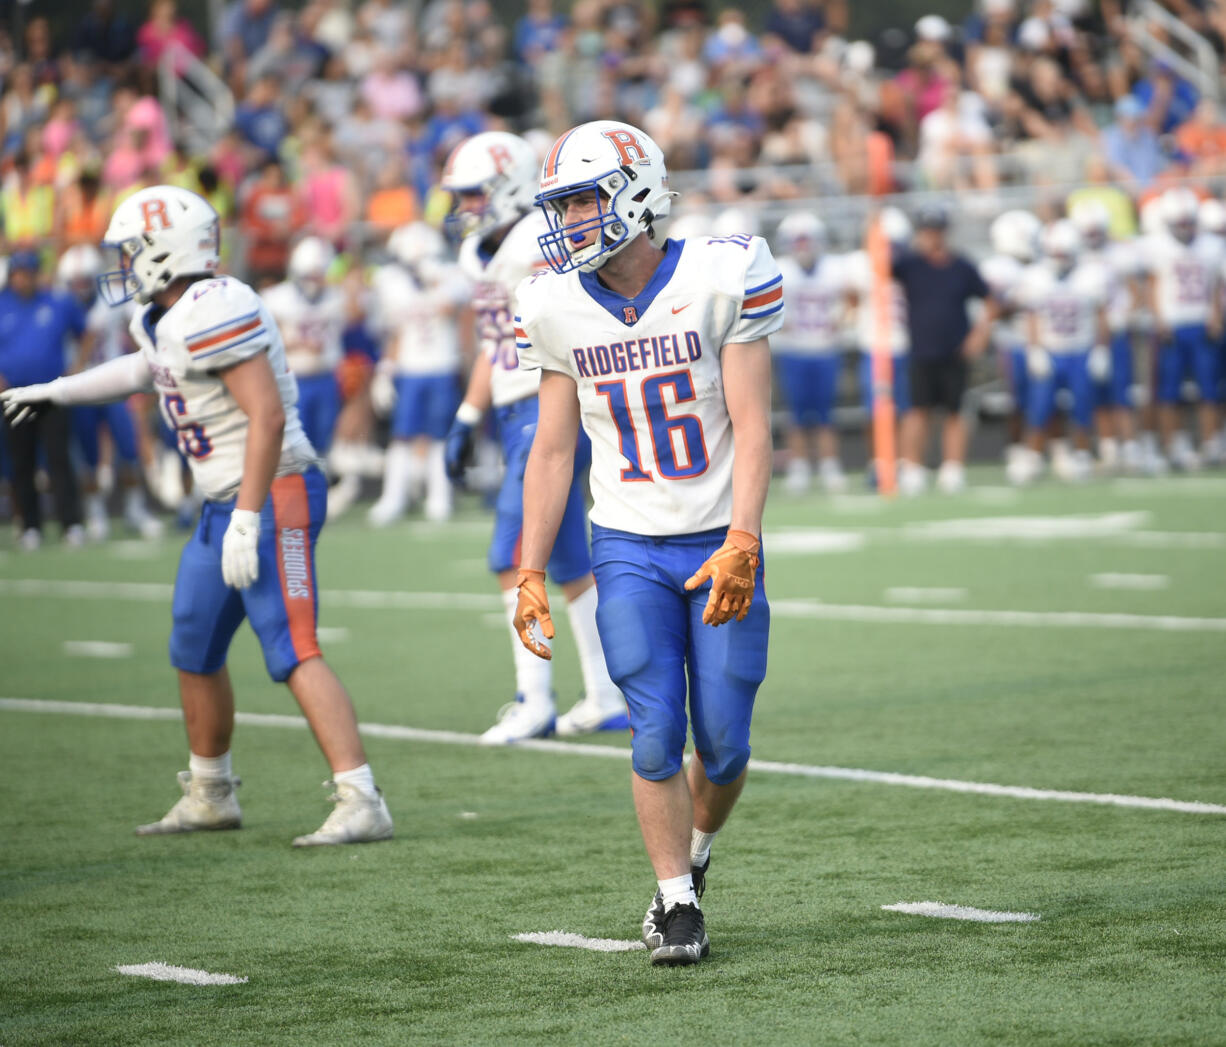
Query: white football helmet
{"points": [[1212, 217], [802, 233], [309, 262], [1062, 243], [736, 221], [1178, 208], [625, 169], [1093, 222], [1016, 234], [160, 234], [415, 243], [77, 270], [499, 165], [896, 225]]}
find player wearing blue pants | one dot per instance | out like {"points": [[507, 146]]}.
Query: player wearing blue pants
{"points": [[211, 350], [660, 350], [319, 405]]}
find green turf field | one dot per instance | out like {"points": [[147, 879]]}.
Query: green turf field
{"points": [[891, 651]]}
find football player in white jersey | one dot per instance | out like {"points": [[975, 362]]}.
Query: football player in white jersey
{"points": [[1184, 277], [417, 299], [807, 350], [1117, 442], [492, 179], [860, 280], [106, 338], [1065, 302], [659, 350], [1015, 245], [211, 350], [310, 313]]}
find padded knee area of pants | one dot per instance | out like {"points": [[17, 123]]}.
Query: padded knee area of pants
{"points": [[656, 751], [627, 650]]}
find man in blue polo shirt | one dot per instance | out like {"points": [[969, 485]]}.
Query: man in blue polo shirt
{"points": [[36, 326], [938, 285]]}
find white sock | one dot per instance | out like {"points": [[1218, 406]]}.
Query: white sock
{"points": [[416, 469], [678, 891], [210, 766], [438, 486], [596, 682], [396, 467], [533, 676], [134, 502], [700, 847], [95, 506], [361, 778]]}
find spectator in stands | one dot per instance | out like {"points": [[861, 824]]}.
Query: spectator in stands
{"points": [[1202, 140], [28, 207], [394, 202], [1167, 99], [164, 32], [35, 328], [105, 34], [799, 24], [245, 28], [1131, 146], [260, 119], [538, 32], [83, 210], [939, 285], [270, 215], [329, 193]]}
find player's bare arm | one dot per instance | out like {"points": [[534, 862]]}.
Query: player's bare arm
{"points": [[254, 389], [547, 479]]}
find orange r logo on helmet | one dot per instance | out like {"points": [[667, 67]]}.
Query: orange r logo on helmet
{"points": [[151, 209], [629, 149], [502, 158]]}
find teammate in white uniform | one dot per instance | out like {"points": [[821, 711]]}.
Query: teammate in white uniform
{"points": [[860, 280], [417, 298], [310, 313], [660, 351], [1212, 223], [212, 352], [1015, 244], [808, 349], [106, 338], [1113, 379], [1184, 278], [492, 177], [1065, 302]]}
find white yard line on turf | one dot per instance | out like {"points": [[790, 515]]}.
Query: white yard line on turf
{"points": [[97, 649], [961, 912], [798, 770], [923, 594], [577, 941], [1140, 582], [153, 592], [165, 972]]}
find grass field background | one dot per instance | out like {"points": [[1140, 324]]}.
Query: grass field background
{"points": [[412, 941]]}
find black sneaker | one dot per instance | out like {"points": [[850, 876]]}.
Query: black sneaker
{"points": [[653, 921], [685, 938]]}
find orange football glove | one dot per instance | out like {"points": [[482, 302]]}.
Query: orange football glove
{"points": [[731, 571], [533, 607]]}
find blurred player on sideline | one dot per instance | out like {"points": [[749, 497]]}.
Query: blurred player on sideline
{"points": [[659, 349], [808, 350], [1117, 441], [1015, 245], [1066, 303], [1184, 277], [417, 297], [492, 178], [106, 338], [211, 349]]}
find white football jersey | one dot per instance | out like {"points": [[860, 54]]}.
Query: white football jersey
{"points": [[415, 317], [1066, 306], [310, 328], [815, 298], [1120, 262], [1004, 276], [1187, 277], [495, 278], [651, 387], [109, 326], [859, 275], [216, 324]]}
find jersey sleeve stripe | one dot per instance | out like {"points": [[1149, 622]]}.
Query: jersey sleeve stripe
{"points": [[776, 279], [763, 312], [224, 336], [230, 345], [765, 298], [228, 323]]}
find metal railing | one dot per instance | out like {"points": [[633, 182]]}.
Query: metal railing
{"points": [[198, 104], [1201, 67]]}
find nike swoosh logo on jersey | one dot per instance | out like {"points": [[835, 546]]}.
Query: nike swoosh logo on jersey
{"points": [[677, 309]]}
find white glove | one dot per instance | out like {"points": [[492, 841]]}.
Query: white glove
{"points": [[240, 562], [383, 393], [22, 402], [1099, 363], [1038, 363]]}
